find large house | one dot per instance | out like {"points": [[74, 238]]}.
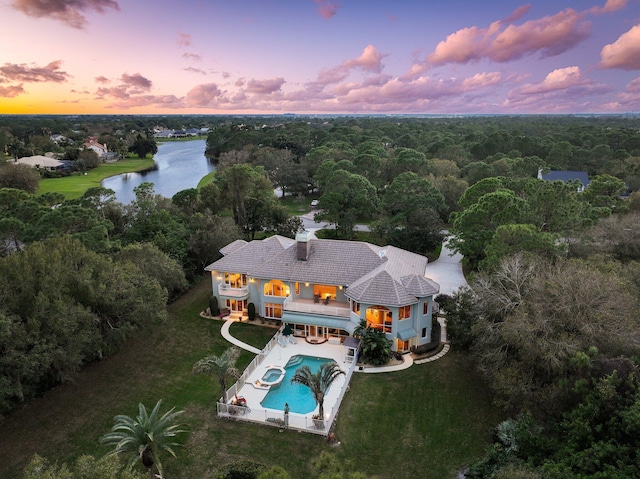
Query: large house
{"points": [[323, 288]]}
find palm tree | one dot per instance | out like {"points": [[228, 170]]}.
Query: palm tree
{"points": [[145, 436], [222, 367], [318, 382]]}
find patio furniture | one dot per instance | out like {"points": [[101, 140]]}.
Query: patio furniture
{"points": [[326, 301], [316, 298]]}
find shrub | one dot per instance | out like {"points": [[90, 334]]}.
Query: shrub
{"points": [[251, 311], [241, 470], [214, 310]]}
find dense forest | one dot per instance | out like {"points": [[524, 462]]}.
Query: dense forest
{"points": [[550, 316]]}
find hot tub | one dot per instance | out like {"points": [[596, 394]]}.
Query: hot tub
{"points": [[272, 376]]}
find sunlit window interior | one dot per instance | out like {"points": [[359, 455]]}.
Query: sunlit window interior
{"points": [[273, 310], [235, 280], [276, 287], [324, 291], [379, 317]]}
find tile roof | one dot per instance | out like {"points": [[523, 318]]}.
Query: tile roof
{"points": [[372, 274], [241, 258]]}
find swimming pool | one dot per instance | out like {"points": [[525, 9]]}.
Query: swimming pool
{"points": [[299, 397]]}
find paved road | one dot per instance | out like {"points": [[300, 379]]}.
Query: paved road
{"points": [[311, 225], [447, 270]]}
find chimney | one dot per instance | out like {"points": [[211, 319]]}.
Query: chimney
{"points": [[303, 245]]}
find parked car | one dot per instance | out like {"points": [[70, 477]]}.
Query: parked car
{"points": [[314, 203]]}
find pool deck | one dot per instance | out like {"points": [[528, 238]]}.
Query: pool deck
{"points": [[279, 356]]}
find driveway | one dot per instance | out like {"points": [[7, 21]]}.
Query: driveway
{"points": [[447, 270], [310, 224]]}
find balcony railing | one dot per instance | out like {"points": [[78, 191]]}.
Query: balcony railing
{"points": [[226, 290], [303, 305]]}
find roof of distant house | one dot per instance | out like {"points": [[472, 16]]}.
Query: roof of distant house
{"points": [[40, 160], [567, 175]]}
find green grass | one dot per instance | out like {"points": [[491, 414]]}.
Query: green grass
{"points": [[295, 205], [75, 185], [424, 422], [208, 178]]}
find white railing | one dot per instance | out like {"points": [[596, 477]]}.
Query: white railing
{"points": [[227, 290], [277, 418], [316, 308]]}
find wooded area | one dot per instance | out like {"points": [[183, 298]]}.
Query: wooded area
{"points": [[550, 317]]}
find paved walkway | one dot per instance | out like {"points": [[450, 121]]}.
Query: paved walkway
{"points": [[233, 340]]}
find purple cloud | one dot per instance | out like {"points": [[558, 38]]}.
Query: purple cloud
{"points": [[34, 74], [66, 11]]}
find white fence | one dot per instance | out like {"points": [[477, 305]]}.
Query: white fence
{"points": [[277, 418]]}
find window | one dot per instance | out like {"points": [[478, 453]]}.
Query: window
{"points": [[272, 310], [297, 288], [276, 288], [235, 280], [424, 332], [379, 317], [404, 312], [324, 291], [425, 307], [355, 307], [236, 305]]}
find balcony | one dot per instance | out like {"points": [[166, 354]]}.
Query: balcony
{"points": [[303, 305], [228, 291]]}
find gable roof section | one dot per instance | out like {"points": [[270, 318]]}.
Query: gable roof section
{"points": [[419, 286], [381, 288], [241, 258], [231, 247], [330, 262]]}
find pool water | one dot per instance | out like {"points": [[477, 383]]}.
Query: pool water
{"points": [[271, 375], [299, 397]]}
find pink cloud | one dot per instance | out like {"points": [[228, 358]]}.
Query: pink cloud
{"points": [[183, 40], [203, 95], [136, 81], [262, 87], [624, 53], [369, 60], [148, 101], [11, 91], [192, 56], [327, 8], [102, 79], [130, 85], [66, 11], [548, 36], [195, 70], [23, 72], [609, 6], [559, 79]]}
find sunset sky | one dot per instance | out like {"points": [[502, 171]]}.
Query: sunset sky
{"points": [[319, 56]]}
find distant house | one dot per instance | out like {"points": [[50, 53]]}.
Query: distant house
{"points": [[100, 149], [59, 139], [41, 162], [566, 176]]}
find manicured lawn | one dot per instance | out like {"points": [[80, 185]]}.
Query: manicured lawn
{"points": [[75, 185], [425, 422]]}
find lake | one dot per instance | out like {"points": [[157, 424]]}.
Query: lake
{"points": [[179, 165]]}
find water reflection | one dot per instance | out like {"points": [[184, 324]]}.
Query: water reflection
{"points": [[178, 165]]}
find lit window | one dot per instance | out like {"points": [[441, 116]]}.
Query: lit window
{"points": [[425, 307], [273, 310], [404, 312]]}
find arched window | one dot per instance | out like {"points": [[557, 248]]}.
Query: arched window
{"points": [[275, 287], [379, 317]]}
